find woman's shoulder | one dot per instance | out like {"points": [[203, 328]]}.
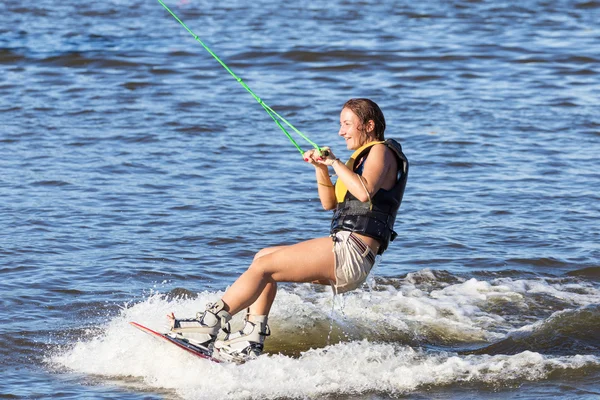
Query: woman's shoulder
{"points": [[381, 150], [381, 156]]}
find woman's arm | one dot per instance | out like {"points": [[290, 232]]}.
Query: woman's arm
{"points": [[325, 188], [324, 185]]}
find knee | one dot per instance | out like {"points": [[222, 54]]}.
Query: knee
{"points": [[263, 252], [259, 267]]}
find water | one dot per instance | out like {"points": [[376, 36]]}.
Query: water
{"points": [[138, 178]]}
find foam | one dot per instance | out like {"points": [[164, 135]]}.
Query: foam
{"points": [[574, 293], [389, 318]]}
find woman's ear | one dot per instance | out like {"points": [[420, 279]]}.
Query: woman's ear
{"points": [[370, 126]]}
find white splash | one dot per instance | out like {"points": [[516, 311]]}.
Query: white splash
{"points": [[453, 313]]}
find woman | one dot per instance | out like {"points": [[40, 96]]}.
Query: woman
{"points": [[366, 198]]}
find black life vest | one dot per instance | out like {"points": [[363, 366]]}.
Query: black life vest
{"points": [[375, 219]]}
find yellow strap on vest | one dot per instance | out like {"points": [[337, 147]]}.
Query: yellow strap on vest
{"points": [[340, 187]]}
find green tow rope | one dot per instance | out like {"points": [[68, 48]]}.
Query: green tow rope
{"points": [[276, 117]]}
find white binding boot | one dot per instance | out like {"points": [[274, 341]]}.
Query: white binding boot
{"points": [[203, 329], [247, 343]]}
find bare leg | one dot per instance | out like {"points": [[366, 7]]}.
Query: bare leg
{"points": [[262, 305], [308, 261]]}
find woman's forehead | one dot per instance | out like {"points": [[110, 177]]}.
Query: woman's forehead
{"points": [[347, 114]]}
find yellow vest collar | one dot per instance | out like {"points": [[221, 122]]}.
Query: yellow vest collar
{"points": [[340, 188]]}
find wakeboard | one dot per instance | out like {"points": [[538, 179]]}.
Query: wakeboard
{"points": [[182, 343]]}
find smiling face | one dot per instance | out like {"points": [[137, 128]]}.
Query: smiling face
{"points": [[353, 131]]}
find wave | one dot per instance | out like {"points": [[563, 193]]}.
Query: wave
{"points": [[358, 367], [10, 56], [590, 273], [90, 60], [401, 335], [565, 332], [352, 368], [588, 5]]}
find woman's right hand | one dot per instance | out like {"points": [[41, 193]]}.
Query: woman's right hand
{"points": [[314, 157]]}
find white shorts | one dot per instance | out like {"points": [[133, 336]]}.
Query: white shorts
{"points": [[353, 261]]}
